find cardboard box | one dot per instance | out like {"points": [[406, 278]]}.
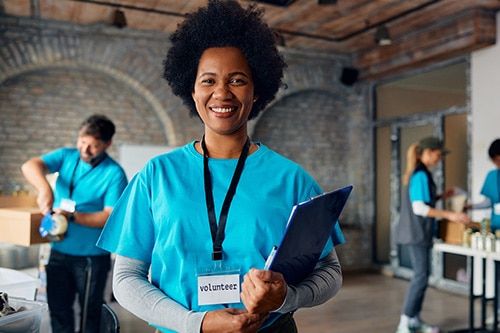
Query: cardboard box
{"points": [[19, 225], [452, 232], [9, 201]]}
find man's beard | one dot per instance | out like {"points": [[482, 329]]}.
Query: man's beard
{"points": [[96, 159]]}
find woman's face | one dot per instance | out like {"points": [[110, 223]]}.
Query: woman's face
{"points": [[431, 157], [223, 91]]}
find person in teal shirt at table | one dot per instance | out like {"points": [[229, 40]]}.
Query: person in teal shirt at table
{"points": [[491, 200], [88, 185], [194, 227], [491, 188]]}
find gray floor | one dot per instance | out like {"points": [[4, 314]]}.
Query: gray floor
{"points": [[366, 303]]}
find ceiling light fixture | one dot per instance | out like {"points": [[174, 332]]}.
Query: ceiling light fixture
{"points": [[119, 19], [382, 36]]}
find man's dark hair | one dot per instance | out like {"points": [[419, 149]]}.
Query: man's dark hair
{"points": [[99, 126], [494, 149], [224, 23]]}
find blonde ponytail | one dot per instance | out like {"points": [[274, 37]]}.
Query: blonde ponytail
{"points": [[412, 159]]}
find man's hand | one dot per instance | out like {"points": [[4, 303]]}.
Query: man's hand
{"points": [[45, 200], [263, 291]]}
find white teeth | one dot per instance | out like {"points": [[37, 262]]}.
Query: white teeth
{"points": [[222, 110]]}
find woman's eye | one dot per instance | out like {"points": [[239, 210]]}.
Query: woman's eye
{"points": [[237, 81]]}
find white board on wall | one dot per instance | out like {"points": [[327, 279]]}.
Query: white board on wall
{"points": [[133, 157]]}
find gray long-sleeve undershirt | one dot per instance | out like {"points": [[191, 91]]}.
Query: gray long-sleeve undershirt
{"points": [[135, 293]]}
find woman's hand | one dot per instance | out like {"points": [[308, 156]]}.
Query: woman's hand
{"points": [[232, 321], [263, 291], [458, 217], [448, 193]]}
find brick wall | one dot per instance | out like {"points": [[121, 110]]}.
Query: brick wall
{"points": [[53, 75]]}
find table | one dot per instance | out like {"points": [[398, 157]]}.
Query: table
{"points": [[484, 255]]}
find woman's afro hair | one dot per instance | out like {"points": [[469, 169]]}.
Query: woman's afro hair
{"points": [[224, 23]]}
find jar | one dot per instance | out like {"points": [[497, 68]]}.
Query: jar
{"points": [[466, 237], [474, 240], [480, 242], [489, 242]]}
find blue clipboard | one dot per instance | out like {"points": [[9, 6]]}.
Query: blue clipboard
{"points": [[309, 226]]}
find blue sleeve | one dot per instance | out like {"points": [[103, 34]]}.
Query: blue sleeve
{"points": [[490, 186], [129, 230], [54, 159], [337, 235], [419, 187], [336, 238]]}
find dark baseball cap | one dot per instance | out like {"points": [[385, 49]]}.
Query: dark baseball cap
{"points": [[433, 143]]}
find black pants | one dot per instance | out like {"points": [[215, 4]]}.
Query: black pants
{"points": [[67, 277]]}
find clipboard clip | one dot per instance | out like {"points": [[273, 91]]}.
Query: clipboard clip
{"points": [[270, 258]]}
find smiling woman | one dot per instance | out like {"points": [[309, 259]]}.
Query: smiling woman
{"points": [[217, 206]]}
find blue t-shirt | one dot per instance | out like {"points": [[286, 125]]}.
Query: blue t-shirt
{"points": [[419, 187], [93, 188], [162, 217], [491, 190]]}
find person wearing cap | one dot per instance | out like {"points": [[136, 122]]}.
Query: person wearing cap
{"points": [[415, 228]]}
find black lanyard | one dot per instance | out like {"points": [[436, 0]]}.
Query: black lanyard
{"points": [[218, 232], [74, 181]]}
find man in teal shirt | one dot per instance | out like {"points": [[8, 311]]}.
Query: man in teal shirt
{"points": [[87, 187]]}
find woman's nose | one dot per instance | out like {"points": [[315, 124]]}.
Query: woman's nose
{"points": [[222, 92]]}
